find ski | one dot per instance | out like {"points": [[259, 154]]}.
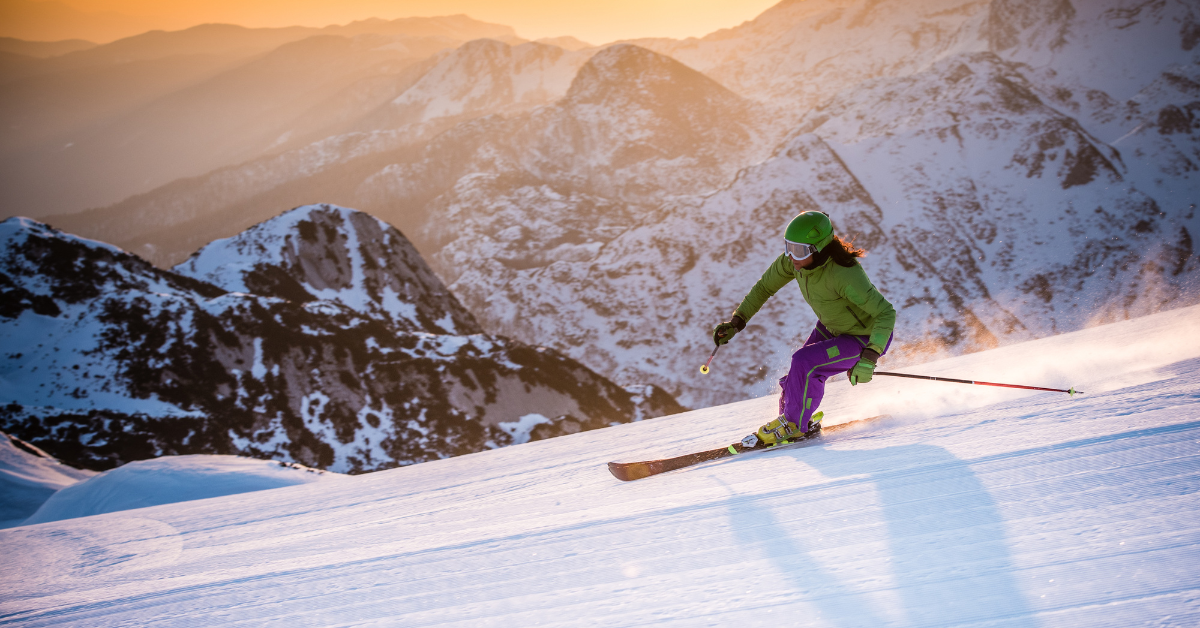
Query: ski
{"points": [[629, 471]]}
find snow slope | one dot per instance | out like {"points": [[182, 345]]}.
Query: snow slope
{"points": [[968, 506], [172, 479], [28, 477]]}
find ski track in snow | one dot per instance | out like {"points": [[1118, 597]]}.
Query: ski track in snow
{"points": [[967, 506]]}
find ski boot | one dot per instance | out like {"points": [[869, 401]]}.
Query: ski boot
{"points": [[781, 432]]}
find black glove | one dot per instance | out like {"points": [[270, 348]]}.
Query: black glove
{"points": [[724, 332]]}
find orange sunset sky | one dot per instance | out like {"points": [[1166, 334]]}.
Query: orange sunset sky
{"points": [[595, 22]]}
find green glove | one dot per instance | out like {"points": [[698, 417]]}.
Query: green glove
{"points": [[724, 332], [864, 370]]}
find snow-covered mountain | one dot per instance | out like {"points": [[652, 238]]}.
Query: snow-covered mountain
{"points": [[484, 77], [983, 204], [334, 254], [1016, 169], [1014, 223], [800, 52], [994, 215], [109, 359], [969, 505], [634, 126]]}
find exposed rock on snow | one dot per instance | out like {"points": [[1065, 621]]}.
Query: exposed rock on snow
{"points": [[636, 124], [992, 152], [484, 77], [797, 54], [330, 253]]}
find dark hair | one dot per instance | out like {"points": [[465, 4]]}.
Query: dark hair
{"points": [[841, 251]]}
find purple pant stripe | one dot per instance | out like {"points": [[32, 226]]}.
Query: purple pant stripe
{"points": [[811, 366]]}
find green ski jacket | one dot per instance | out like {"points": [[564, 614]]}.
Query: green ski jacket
{"points": [[844, 299]]}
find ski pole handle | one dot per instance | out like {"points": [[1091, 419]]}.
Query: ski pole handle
{"points": [[704, 369], [1070, 391]]}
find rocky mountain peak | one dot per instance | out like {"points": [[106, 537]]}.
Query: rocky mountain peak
{"points": [[628, 72], [326, 252], [633, 116], [42, 269], [485, 75]]}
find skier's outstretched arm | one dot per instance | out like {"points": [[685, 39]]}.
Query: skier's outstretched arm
{"points": [[778, 274]]}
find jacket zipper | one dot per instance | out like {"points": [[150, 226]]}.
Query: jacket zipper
{"points": [[864, 325]]}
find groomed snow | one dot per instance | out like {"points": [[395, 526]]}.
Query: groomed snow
{"points": [[968, 506], [28, 477], [171, 479]]}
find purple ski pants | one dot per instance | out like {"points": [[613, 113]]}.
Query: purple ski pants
{"points": [[822, 355]]}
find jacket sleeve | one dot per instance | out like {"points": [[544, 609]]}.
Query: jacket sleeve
{"points": [[862, 293], [778, 274]]}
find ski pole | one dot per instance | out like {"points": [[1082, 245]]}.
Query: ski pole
{"points": [[1069, 391], [704, 369]]}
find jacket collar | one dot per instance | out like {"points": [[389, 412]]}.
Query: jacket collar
{"points": [[813, 270]]}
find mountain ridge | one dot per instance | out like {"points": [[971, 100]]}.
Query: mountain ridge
{"points": [[109, 359], [955, 163]]}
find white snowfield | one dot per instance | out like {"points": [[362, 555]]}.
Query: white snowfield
{"points": [[968, 506], [28, 477], [172, 479]]}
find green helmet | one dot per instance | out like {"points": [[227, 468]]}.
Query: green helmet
{"points": [[810, 228]]}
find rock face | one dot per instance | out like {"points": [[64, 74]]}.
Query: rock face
{"points": [[632, 117], [339, 255], [484, 77], [340, 366], [1015, 168]]}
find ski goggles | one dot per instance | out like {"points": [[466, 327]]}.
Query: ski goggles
{"points": [[798, 250]]}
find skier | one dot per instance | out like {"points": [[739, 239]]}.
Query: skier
{"points": [[854, 322]]}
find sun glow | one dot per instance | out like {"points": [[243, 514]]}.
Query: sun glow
{"points": [[595, 22]]}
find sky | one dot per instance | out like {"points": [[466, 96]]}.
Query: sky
{"points": [[594, 22]]}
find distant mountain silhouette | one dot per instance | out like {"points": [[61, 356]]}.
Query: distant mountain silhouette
{"points": [[217, 94], [43, 49]]}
